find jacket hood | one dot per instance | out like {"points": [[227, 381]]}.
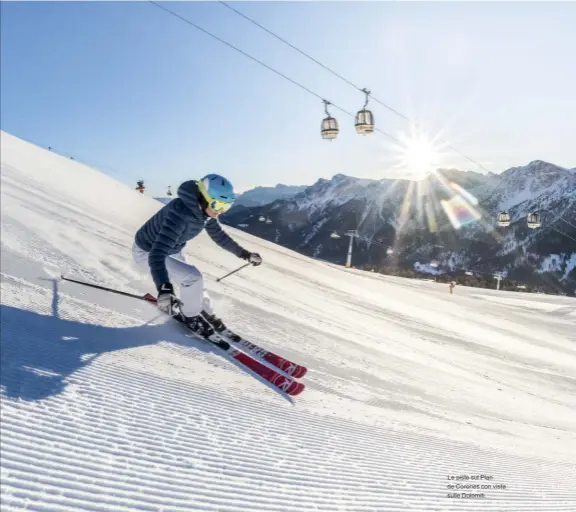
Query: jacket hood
{"points": [[188, 192]]}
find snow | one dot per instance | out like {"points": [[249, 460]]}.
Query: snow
{"points": [[532, 187], [337, 192], [108, 406], [427, 268], [564, 263], [375, 206], [552, 263], [314, 231], [570, 265], [549, 307], [261, 196]]}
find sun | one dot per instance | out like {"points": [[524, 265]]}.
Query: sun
{"points": [[418, 156]]}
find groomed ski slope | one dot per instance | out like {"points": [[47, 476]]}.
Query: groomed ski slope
{"points": [[107, 406]]}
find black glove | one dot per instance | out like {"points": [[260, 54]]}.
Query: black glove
{"points": [[167, 301], [252, 257]]}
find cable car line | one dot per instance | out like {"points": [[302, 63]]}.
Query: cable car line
{"points": [[559, 218], [567, 222], [551, 226], [225, 4], [239, 50], [230, 45], [329, 124], [297, 49], [331, 129], [562, 233]]}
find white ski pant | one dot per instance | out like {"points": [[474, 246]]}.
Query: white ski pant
{"points": [[192, 293]]}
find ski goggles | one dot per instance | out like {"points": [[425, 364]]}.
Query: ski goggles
{"points": [[219, 206]]}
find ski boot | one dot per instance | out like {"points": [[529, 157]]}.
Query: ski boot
{"points": [[219, 327], [197, 324]]}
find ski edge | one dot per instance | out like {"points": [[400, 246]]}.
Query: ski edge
{"points": [[295, 370], [281, 382], [287, 366]]}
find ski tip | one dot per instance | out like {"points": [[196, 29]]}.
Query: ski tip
{"points": [[300, 372], [297, 389]]}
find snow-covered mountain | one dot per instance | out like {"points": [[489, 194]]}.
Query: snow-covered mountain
{"points": [[536, 186], [412, 218], [258, 196], [106, 405], [261, 196]]}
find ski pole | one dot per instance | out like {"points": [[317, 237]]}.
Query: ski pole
{"points": [[233, 272], [147, 297]]}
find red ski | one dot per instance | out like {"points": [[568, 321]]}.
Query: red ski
{"points": [[286, 384], [295, 370], [282, 382]]}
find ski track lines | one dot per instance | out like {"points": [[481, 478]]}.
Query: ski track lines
{"points": [[122, 439], [105, 409], [132, 441]]}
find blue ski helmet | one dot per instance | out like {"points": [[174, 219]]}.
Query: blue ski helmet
{"points": [[218, 192]]}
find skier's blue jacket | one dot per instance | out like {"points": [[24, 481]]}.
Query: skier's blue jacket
{"points": [[167, 232]]}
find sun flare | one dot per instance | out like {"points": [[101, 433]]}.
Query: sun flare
{"points": [[418, 156]]}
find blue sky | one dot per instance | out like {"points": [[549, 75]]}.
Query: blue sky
{"points": [[138, 93]]}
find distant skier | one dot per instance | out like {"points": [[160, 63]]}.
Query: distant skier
{"points": [[159, 243]]}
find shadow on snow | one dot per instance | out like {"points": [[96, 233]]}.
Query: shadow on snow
{"points": [[39, 352]]}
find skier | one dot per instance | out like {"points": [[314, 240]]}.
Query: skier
{"points": [[159, 243]]}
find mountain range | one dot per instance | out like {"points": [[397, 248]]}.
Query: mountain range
{"points": [[260, 196], [445, 223]]}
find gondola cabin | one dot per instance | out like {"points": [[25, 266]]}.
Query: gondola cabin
{"points": [[364, 122], [329, 128], [504, 219], [364, 118], [533, 220]]}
